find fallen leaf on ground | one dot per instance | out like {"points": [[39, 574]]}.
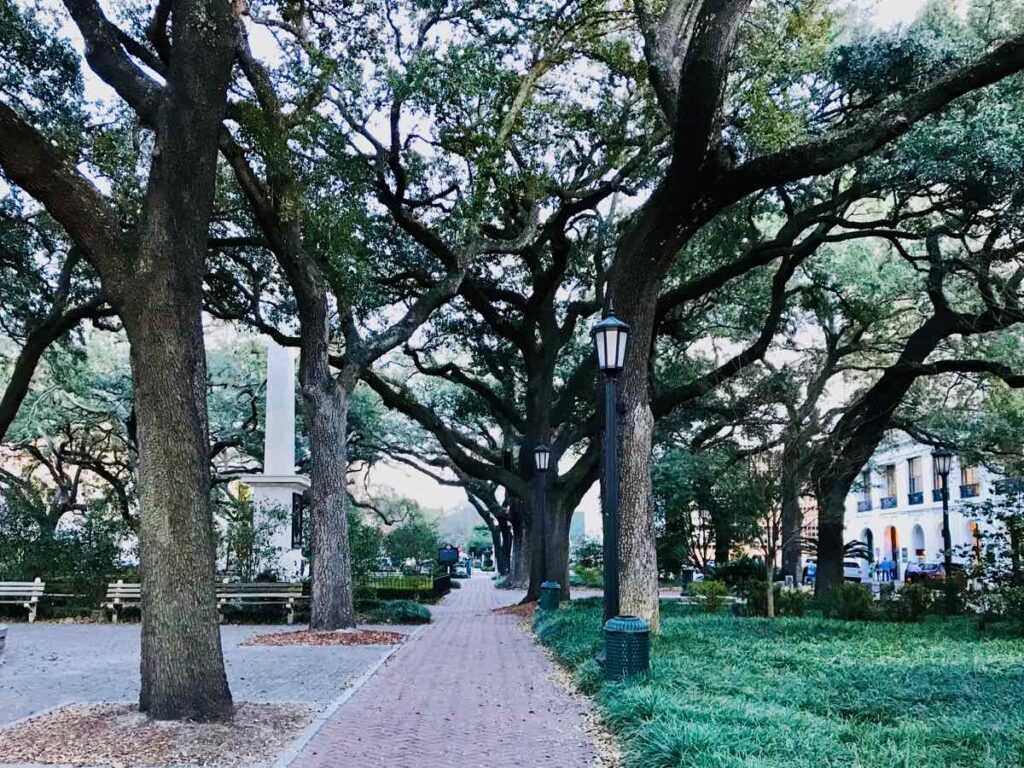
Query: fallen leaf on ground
{"points": [[341, 637], [120, 736], [526, 609]]}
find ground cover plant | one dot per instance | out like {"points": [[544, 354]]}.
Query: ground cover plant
{"points": [[393, 612], [814, 692]]}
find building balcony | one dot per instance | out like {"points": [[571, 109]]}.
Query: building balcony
{"points": [[888, 502], [915, 498], [864, 505], [969, 491], [937, 494]]}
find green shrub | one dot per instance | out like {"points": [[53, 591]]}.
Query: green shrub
{"points": [[710, 595], [586, 577], [849, 602], [1008, 603], [919, 601], [792, 602], [913, 603], [787, 602], [742, 570], [756, 595], [589, 554], [364, 592], [394, 612]]}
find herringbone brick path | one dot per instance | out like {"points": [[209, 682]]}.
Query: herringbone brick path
{"points": [[470, 689]]}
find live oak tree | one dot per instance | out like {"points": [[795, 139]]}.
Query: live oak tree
{"points": [[464, 171], [690, 48], [150, 265], [307, 161], [47, 289]]}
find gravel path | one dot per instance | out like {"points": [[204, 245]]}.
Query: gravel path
{"points": [[47, 665], [470, 689]]}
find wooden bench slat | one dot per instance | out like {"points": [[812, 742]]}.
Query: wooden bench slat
{"points": [[24, 593], [260, 593]]}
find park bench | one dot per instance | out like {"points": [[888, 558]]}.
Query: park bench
{"points": [[23, 593], [260, 593], [122, 595]]}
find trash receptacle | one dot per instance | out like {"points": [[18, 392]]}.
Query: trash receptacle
{"points": [[550, 592], [627, 643]]}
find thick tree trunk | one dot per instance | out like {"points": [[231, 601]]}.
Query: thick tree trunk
{"points": [[503, 548], [549, 545], [325, 398], [723, 545], [557, 557], [519, 570], [770, 595], [855, 438], [159, 297], [831, 513], [537, 552], [182, 663], [331, 597], [638, 566], [792, 525]]}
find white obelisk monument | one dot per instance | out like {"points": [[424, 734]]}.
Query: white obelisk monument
{"points": [[279, 486]]}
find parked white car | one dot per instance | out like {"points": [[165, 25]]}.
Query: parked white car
{"points": [[853, 570], [857, 571]]}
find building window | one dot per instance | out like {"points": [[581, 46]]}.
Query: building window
{"points": [[864, 503], [915, 485], [914, 470], [969, 486], [889, 481]]}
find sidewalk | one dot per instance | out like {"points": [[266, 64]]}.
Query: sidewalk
{"points": [[469, 689]]}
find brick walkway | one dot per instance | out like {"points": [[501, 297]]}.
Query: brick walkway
{"points": [[470, 689]]}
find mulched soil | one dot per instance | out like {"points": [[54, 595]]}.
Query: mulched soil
{"points": [[341, 637], [118, 735], [526, 609]]}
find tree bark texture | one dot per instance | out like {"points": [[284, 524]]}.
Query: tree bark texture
{"points": [[549, 546], [831, 514], [638, 566], [326, 399], [331, 598], [160, 301], [519, 570], [503, 548], [792, 525], [182, 663]]}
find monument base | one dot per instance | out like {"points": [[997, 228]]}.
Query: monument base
{"points": [[280, 491]]}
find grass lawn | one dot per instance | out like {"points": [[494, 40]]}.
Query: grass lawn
{"points": [[789, 693]]}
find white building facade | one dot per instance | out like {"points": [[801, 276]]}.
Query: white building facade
{"points": [[896, 506]]}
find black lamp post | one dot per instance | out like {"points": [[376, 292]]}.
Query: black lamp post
{"points": [[611, 337], [541, 459], [943, 463]]}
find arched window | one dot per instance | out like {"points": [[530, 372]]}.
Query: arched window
{"points": [[869, 540], [917, 540]]}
